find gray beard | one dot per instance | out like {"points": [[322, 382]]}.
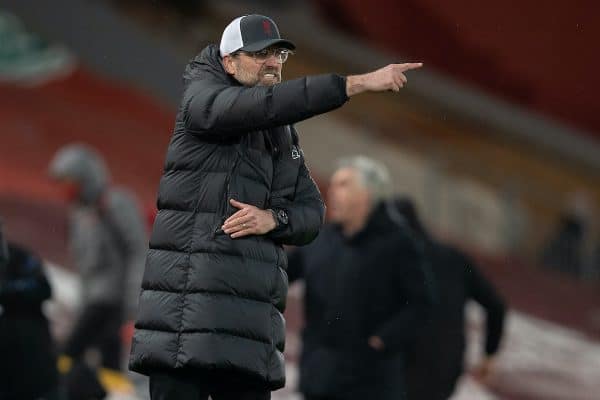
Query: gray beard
{"points": [[256, 81]]}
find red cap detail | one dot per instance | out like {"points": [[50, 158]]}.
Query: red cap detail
{"points": [[267, 28]]}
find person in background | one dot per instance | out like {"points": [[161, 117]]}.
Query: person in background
{"points": [[568, 249], [365, 292], [435, 362], [564, 249], [28, 368], [107, 240]]}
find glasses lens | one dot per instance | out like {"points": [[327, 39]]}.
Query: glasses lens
{"points": [[263, 55], [283, 55]]}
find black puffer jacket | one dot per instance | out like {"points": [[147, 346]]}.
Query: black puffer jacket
{"points": [[210, 302]]}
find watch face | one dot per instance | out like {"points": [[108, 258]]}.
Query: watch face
{"points": [[282, 217]]}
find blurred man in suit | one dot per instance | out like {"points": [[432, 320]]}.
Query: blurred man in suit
{"points": [[436, 361]]}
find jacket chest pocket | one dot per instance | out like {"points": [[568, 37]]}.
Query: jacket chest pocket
{"points": [[256, 175], [287, 160]]}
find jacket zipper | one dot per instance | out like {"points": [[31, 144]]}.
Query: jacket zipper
{"points": [[224, 204]]}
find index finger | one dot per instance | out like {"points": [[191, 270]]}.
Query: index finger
{"points": [[409, 66]]}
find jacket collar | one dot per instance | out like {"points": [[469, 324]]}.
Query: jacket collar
{"points": [[208, 65]]}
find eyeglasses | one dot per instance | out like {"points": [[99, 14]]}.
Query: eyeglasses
{"points": [[263, 55]]}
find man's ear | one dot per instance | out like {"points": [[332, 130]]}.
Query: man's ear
{"points": [[229, 64]]}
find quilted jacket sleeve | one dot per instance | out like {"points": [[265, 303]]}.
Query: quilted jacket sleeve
{"points": [[212, 108], [306, 212]]}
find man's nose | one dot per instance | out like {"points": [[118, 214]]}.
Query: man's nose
{"points": [[273, 61]]}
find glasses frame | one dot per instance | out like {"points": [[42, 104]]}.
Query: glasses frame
{"points": [[282, 54]]}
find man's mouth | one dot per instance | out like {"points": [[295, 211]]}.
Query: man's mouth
{"points": [[270, 73]]}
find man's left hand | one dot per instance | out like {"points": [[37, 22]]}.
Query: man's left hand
{"points": [[248, 220]]}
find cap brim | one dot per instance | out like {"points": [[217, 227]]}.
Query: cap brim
{"points": [[263, 44]]}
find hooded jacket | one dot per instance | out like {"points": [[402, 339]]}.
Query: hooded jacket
{"points": [[107, 237], [209, 302]]}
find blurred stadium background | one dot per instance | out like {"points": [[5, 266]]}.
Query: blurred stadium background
{"points": [[497, 139]]}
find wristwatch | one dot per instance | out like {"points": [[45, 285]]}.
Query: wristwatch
{"points": [[281, 217]]}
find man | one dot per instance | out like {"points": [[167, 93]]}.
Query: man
{"points": [[235, 188], [436, 361], [365, 293], [28, 363], [107, 243]]}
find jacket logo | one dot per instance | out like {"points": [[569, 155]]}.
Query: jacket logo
{"points": [[295, 153]]}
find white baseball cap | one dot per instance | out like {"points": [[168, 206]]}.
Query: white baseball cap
{"points": [[251, 33]]}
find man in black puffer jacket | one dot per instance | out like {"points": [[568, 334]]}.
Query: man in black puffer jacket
{"points": [[235, 189]]}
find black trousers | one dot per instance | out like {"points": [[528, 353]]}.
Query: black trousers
{"points": [[98, 327], [165, 386]]}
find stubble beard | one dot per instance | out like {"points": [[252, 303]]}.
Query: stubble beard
{"points": [[250, 80]]}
